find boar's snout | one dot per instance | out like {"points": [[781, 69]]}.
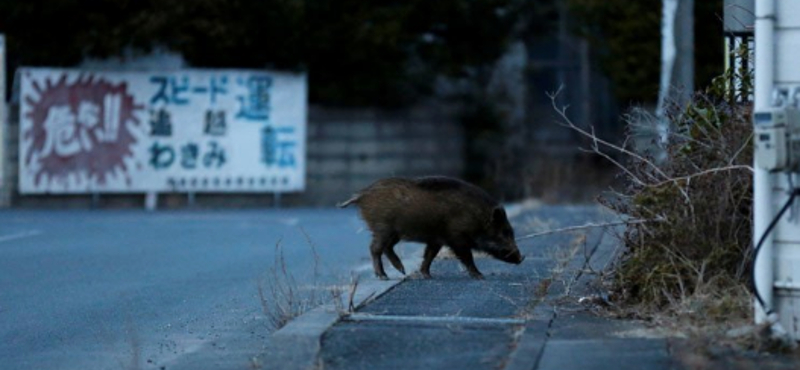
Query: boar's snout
{"points": [[504, 250], [519, 257], [514, 257], [510, 255]]}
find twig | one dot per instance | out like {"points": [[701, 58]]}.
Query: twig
{"points": [[316, 261], [706, 172], [589, 226], [336, 294], [595, 141], [351, 307], [741, 149], [568, 123], [628, 172]]}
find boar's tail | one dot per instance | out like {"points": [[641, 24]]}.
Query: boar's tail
{"points": [[353, 199]]}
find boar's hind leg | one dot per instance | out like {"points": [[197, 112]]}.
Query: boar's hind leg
{"points": [[465, 256], [431, 250], [376, 250], [388, 249]]}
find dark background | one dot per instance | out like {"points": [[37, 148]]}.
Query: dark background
{"points": [[392, 55]]}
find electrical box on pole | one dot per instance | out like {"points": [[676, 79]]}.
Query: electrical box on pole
{"points": [[777, 139]]}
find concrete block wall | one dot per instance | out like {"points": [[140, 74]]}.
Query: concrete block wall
{"points": [[347, 149], [10, 162]]}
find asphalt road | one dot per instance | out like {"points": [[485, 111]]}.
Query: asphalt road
{"points": [[137, 290]]}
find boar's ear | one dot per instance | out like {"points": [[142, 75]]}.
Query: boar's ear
{"points": [[499, 216]]}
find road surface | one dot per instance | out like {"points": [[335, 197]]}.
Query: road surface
{"points": [[138, 290]]}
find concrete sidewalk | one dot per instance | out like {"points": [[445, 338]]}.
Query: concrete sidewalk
{"points": [[519, 317]]}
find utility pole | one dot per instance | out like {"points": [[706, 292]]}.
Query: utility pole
{"points": [[677, 60]]}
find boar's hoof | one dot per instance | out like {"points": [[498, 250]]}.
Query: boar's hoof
{"points": [[425, 275], [382, 276], [476, 275]]}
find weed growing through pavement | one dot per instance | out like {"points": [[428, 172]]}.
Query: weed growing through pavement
{"points": [[283, 298]]}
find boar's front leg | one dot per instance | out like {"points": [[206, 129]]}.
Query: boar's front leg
{"points": [[464, 254], [431, 250]]}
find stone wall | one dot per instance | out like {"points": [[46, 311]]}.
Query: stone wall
{"points": [[349, 149]]}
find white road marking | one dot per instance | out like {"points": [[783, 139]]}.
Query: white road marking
{"points": [[436, 319], [19, 235], [290, 221]]}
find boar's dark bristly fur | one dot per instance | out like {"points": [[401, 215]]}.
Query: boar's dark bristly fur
{"points": [[435, 211]]}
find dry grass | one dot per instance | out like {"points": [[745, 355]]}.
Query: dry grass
{"points": [[686, 268], [280, 295], [708, 355], [342, 306], [561, 277], [283, 298], [703, 194]]}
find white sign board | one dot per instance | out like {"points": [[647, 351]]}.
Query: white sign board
{"points": [[187, 130]]}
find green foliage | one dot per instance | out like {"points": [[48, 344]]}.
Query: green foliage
{"points": [[721, 86], [383, 53], [709, 111]]}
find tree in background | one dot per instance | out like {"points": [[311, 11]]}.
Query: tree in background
{"points": [[366, 53], [627, 33]]}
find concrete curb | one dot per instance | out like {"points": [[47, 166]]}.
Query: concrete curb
{"points": [[530, 347], [297, 345]]}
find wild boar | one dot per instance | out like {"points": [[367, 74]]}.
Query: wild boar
{"points": [[436, 211]]}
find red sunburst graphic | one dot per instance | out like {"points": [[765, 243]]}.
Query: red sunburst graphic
{"points": [[82, 127]]}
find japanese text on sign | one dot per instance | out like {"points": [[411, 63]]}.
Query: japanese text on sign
{"points": [[138, 131]]}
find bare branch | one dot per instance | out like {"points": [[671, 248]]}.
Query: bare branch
{"points": [[568, 123], [741, 149], [596, 141], [621, 167], [706, 172], [589, 226], [351, 307]]}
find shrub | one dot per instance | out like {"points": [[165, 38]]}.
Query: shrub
{"points": [[701, 197], [689, 203]]}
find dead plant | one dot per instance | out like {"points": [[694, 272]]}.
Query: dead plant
{"points": [[702, 196], [281, 297]]}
